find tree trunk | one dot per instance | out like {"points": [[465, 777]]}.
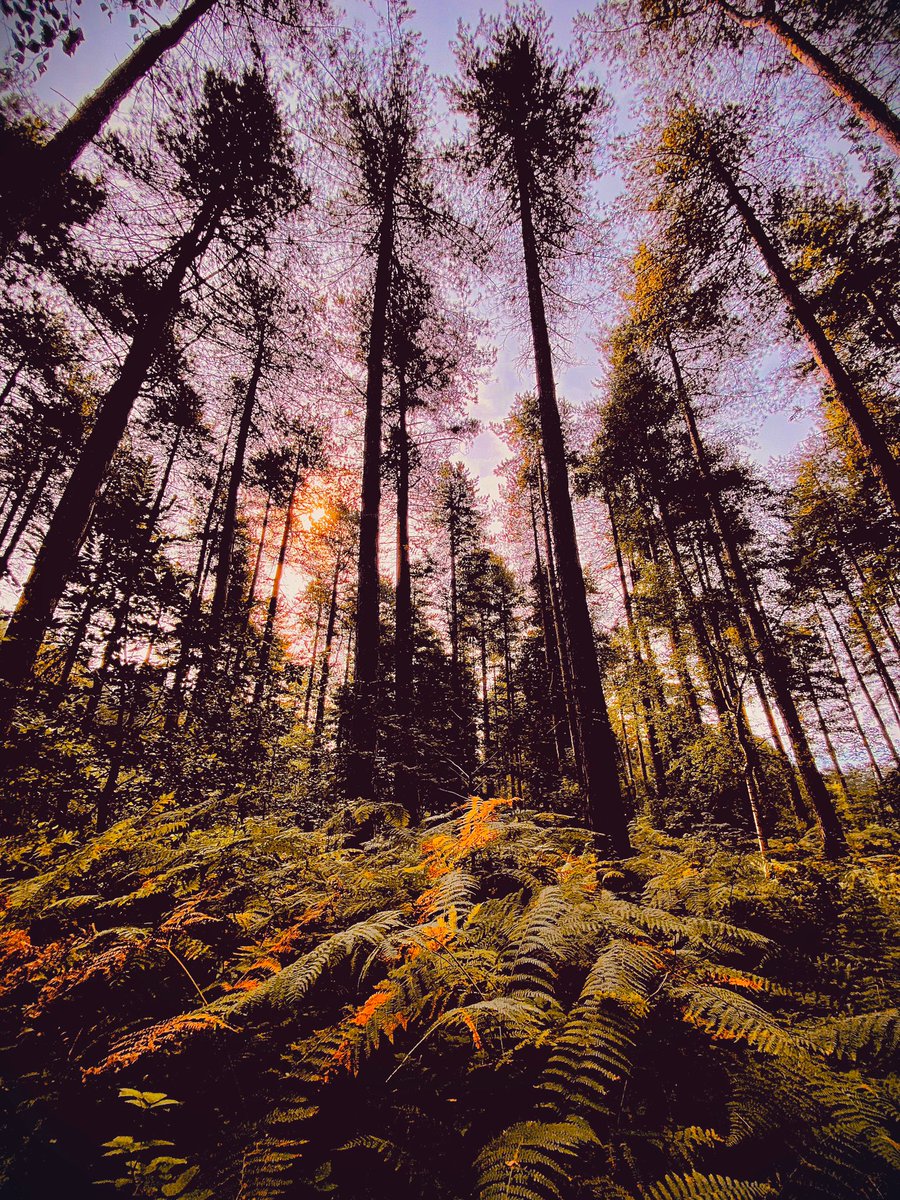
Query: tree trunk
{"points": [[646, 703], [188, 634], [37, 494], [131, 574], [551, 650], [403, 610], [313, 663], [56, 557], [237, 667], [871, 440], [869, 108], [13, 377], [887, 683], [322, 696], [229, 518], [605, 808], [559, 630], [861, 682], [826, 738], [81, 627], [848, 702], [485, 707], [268, 637], [359, 766], [770, 655], [65, 147], [403, 614]]}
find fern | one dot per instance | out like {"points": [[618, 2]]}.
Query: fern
{"points": [[726, 1015], [530, 961], [706, 1187], [593, 1050], [287, 989], [869, 1038], [534, 1160]]}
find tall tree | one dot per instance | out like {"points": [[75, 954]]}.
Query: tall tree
{"points": [[531, 140], [236, 173], [383, 118]]}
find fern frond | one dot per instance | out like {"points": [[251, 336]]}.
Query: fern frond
{"points": [[595, 1046], [716, 934], [530, 961], [534, 1160], [869, 1038], [456, 890], [727, 1015], [707, 1187], [487, 1020], [287, 989]]}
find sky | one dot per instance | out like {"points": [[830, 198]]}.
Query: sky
{"points": [[108, 39]]}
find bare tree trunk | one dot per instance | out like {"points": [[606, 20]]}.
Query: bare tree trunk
{"points": [[646, 703], [319, 723], [268, 637], [56, 557], [869, 108], [871, 439], [359, 766], [229, 519], [66, 146], [861, 682], [605, 807], [310, 683], [827, 739], [559, 629], [848, 702], [175, 702], [551, 650], [770, 655], [403, 611], [37, 495], [131, 574]]}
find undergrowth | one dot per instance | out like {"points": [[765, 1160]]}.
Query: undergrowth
{"points": [[199, 1006]]}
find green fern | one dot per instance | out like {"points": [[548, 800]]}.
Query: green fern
{"points": [[707, 1187], [594, 1048], [534, 1160]]}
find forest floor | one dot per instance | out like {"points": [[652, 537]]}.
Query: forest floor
{"points": [[195, 1006]]}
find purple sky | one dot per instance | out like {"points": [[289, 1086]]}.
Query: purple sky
{"points": [[108, 40]]}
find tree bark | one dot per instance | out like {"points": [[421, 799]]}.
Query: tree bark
{"points": [[56, 557], [605, 807], [359, 766], [871, 440], [869, 108]]}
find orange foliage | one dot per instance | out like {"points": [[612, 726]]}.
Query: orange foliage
{"points": [[444, 852], [469, 1020], [167, 1035]]}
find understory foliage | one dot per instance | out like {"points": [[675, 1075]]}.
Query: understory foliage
{"points": [[200, 1005]]}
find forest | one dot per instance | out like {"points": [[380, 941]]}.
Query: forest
{"points": [[449, 540]]}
